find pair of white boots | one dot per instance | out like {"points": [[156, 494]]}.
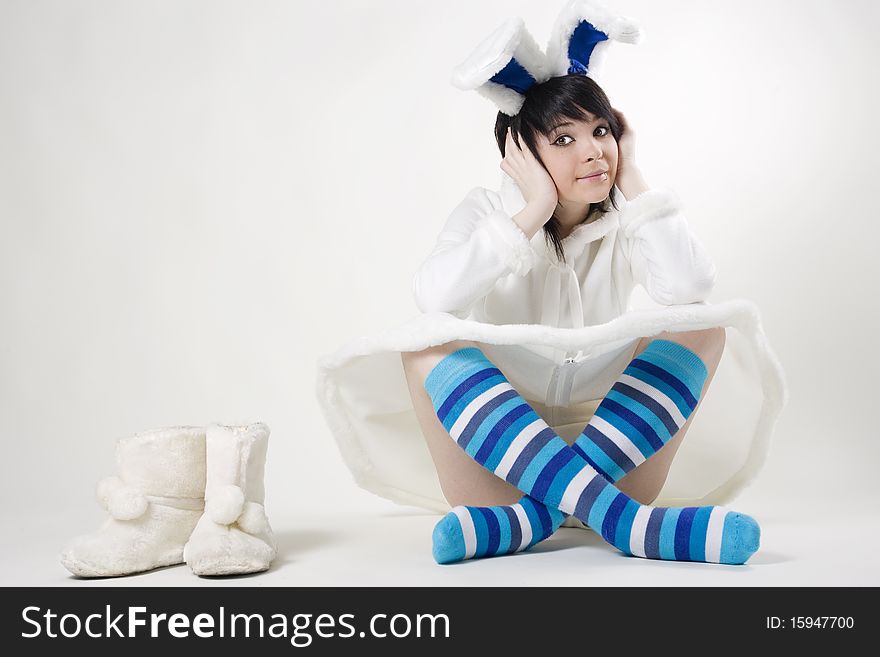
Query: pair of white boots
{"points": [[192, 494]]}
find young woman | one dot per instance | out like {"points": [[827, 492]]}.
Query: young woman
{"points": [[539, 392], [566, 151]]}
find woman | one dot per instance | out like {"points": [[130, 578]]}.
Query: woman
{"points": [[577, 150], [528, 336]]}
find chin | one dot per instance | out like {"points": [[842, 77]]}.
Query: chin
{"points": [[593, 198]]}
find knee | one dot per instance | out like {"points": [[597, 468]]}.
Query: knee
{"points": [[713, 341], [645, 490], [708, 343], [715, 335], [416, 359]]}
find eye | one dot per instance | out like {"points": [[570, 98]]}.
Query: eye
{"points": [[560, 137], [605, 128]]}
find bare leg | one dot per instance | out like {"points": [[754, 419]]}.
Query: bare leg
{"points": [[463, 480], [575, 489], [644, 482]]}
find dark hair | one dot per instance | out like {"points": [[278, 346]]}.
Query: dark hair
{"points": [[568, 96]]}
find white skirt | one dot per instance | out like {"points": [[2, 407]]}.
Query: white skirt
{"points": [[363, 393]]}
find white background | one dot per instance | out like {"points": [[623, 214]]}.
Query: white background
{"points": [[198, 199]]}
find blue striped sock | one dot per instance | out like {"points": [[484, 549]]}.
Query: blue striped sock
{"points": [[496, 427], [472, 532], [645, 408], [650, 401]]}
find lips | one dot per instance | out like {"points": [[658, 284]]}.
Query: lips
{"points": [[593, 175]]}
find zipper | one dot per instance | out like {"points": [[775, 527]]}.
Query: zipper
{"points": [[560, 382], [569, 368]]}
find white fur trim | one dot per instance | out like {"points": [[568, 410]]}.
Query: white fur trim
{"points": [[517, 254], [237, 456], [508, 101], [167, 462], [224, 504], [253, 519], [597, 60], [432, 329], [618, 28], [648, 206], [509, 40]]}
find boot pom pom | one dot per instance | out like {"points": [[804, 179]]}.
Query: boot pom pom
{"points": [[224, 505], [127, 504], [106, 487], [253, 519], [121, 501]]}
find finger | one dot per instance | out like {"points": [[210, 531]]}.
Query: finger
{"points": [[512, 149], [509, 144], [530, 158], [511, 139], [515, 138], [527, 153]]}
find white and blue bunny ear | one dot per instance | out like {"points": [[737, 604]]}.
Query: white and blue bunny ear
{"points": [[503, 67], [581, 36]]}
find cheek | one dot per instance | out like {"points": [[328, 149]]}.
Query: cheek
{"points": [[565, 167], [615, 151], [555, 167], [612, 156]]}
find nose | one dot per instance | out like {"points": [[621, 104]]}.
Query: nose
{"points": [[592, 150]]}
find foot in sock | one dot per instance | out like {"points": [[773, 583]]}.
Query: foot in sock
{"points": [[647, 405], [472, 532], [497, 428]]}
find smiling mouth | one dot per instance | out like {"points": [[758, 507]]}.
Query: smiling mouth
{"points": [[602, 175]]}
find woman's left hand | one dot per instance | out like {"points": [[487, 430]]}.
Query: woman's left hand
{"points": [[629, 181], [626, 147]]}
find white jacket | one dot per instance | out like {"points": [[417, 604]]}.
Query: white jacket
{"points": [[484, 268], [493, 286]]}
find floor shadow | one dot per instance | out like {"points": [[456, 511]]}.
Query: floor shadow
{"points": [[567, 538], [98, 578], [300, 541], [409, 513], [223, 578], [762, 558]]}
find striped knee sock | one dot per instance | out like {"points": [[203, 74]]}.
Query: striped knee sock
{"points": [[645, 408], [497, 428], [472, 532]]}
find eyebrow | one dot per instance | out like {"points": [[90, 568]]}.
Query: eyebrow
{"points": [[561, 125]]}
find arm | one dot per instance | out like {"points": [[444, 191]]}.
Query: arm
{"points": [[481, 244], [666, 258], [477, 246]]}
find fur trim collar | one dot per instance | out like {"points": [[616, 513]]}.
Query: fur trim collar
{"points": [[512, 202]]}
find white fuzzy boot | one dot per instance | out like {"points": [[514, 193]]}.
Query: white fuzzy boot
{"points": [[154, 504], [233, 537]]}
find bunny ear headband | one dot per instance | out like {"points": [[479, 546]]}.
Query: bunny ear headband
{"points": [[506, 64]]}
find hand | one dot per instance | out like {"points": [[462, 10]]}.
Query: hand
{"points": [[629, 179], [626, 147], [536, 185]]}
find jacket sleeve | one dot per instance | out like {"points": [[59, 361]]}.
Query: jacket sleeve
{"points": [[478, 245], [665, 256]]}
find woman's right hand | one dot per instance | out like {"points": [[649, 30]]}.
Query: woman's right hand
{"points": [[536, 185]]}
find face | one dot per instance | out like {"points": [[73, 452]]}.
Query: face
{"points": [[581, 157]]}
